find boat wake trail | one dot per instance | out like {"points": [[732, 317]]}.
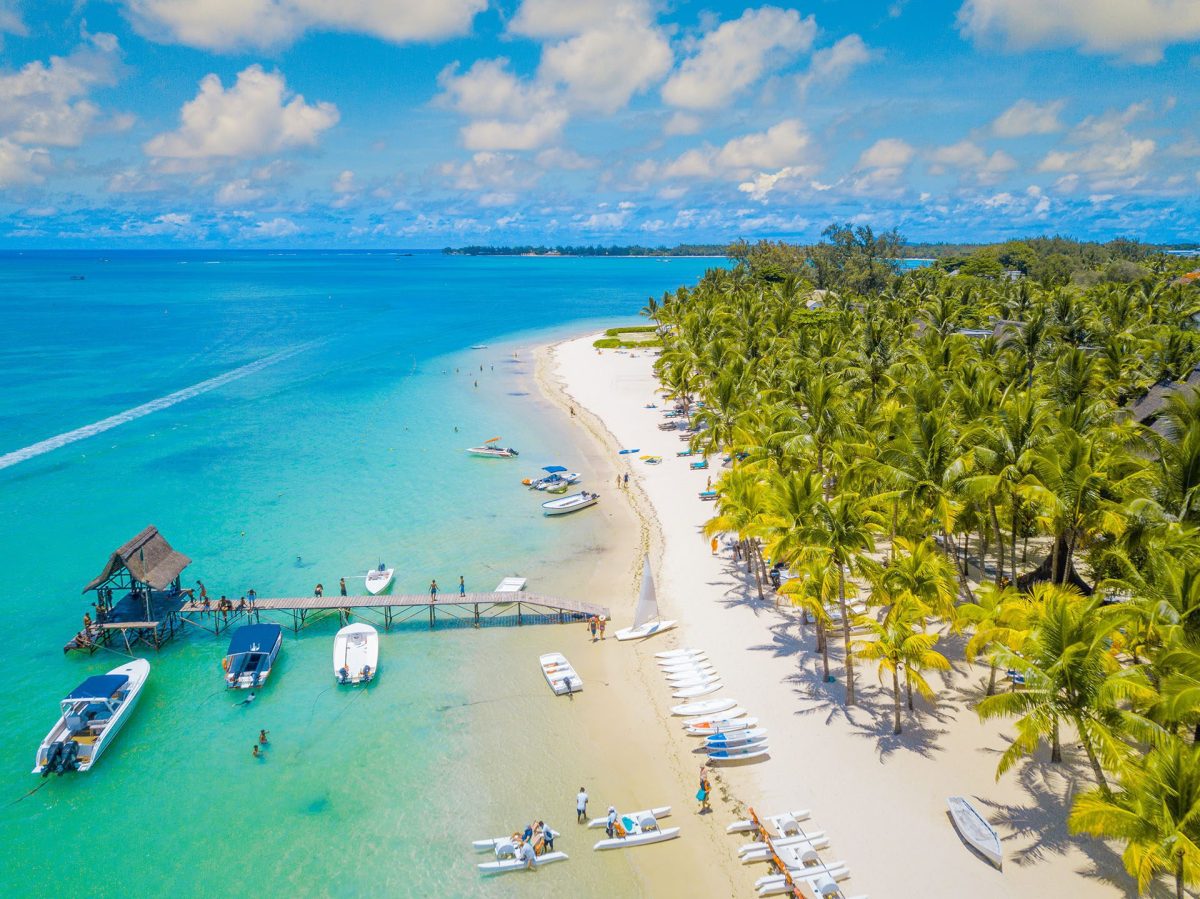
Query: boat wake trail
{"points": [[163, 402]]}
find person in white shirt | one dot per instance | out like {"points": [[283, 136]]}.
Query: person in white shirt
{"points": [[581, 802]]}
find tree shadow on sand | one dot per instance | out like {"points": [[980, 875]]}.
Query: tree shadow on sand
{"points": [[1036, 828]]}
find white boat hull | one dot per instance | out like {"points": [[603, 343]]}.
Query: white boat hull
{"points": [[678, 653], [137, 671], [559, 674], [753, 751], [736, 738], [639, 839], [690, 665], [649, 629], [693, 692], [355, 650], [661, 812], [975, 830], [708, 707], [378, 581], [784, 823], [569, 504], [707, 728], [504, 866], [493, 843]]}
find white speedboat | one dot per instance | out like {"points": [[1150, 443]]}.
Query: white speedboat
{"points": [[704, 689], [559, 674], [705, 707], [646, 619], [686, 652], [637, 829], [736, 738], [572, 503], [706, 728], [740, 753], [976, 830], [92, 716], [252, 652], [356, 654], [378, 579], [491, 449]]}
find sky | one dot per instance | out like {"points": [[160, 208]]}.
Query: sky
{"points": [[430, 123]]}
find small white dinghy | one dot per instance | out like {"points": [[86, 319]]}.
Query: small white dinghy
{"points": [[662, 811], [92, 716], [378, 579], [637, 830], [646, 621], [975, 830], [705, 707], [740, 753], [356, 654], [702, 690], [568, 504], [559, 674]]}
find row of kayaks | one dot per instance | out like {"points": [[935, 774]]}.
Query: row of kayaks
{"points": [[629, 829], [94, 712], [728, 732]]}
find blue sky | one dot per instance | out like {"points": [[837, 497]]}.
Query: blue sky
{"points": [[424, 123]]}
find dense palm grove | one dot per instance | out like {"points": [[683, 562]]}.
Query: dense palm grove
{"points": [[911, 449]]}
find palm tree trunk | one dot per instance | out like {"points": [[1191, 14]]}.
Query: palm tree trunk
{"points": [[896, 700], [895, 516], [1055, 748], [758, 566], [821, 635], [1054, 562], [1016, 517], [908, 687], [746, 552], [1095, 762], [1179, 894], [846, 634], [999, 543], [991, 688]]}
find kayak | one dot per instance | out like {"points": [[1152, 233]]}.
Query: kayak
{"points": [[705, 707]]}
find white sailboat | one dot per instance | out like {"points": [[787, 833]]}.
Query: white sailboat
{"points": [[356, 654], [646, 622]]}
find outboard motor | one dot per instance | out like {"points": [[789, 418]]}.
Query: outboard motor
{"points": [[70, 757], [52, 755]]}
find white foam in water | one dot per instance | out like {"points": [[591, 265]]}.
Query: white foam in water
{"points": [[163, 402]]}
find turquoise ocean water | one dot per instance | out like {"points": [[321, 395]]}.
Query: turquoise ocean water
{"points": [[332, 440]]}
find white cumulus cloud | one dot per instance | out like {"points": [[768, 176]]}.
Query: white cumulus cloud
{"points": [[1027, 117], [972, 161], [506, 112], [273, 228], [21, 165], [1136, 30], [232, 24], [733, 56], [258, 115], [238, 192], [830, 65]]}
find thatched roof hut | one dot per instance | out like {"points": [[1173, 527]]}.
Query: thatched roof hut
{"points": [[149, 560]]}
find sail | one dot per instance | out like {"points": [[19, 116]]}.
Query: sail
{"points": [[647, 607]]}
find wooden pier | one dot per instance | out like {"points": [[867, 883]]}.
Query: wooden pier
{"points": [[450, 610]]}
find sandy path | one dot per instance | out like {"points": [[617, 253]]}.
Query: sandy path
{"points": [[880, 798]]}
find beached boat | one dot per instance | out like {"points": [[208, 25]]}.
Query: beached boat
{"points": [[727, 740], [784, 823], [356, 654], [92, 715], [378, 579], [646, 619], [678, 653], [696, 658], [513, 584], [821, 883], [252, 652], [559, 674], [976, 830], [738, 754], [692, 679], [572, 503], [705, 707], [512, 862], [689, 667], [708, 727], [750, 853], [662, 811], [556, 476], [490, 449], [637, 830], [703, 689]]}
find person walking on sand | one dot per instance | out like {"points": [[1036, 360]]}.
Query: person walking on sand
{"points": [[603, 621], [618, 482], [462, 586], [626, 480], [433, 590], [703, 793], [581, 802], [592, 625]]}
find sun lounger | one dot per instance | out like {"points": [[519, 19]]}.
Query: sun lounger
{"points": [[708, 496], [700, 465]]}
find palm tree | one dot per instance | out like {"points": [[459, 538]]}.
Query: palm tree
{"points": [[921, 570], [1000, 619], [1071, 677], [842, 527], [898, 642], [814, 590], [741, 503], [1155, 813]]}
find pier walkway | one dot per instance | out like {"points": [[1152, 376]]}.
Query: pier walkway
{"points": [[450, 610]]}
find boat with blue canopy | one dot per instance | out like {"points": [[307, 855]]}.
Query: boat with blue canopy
{"points": [[556, 478], [252, 652], [92, 715]]}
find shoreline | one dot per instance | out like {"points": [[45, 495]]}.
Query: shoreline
{"points": [[880, 798]]}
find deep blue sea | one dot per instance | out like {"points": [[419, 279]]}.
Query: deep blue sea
{"points": [[307, 419]]}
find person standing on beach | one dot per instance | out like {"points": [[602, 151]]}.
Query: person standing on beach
{"points": [[626, 480], [714, 546], [592, 625], [703, 792], [433, 590], [462, 586], [618, 482], [581, 805], [602, 623]]}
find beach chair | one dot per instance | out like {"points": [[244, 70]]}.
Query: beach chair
{"points": [[686, 452], [699, 466], [708, 496]]}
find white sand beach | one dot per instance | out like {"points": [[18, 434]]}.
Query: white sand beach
{"points": [[880, 798]]}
